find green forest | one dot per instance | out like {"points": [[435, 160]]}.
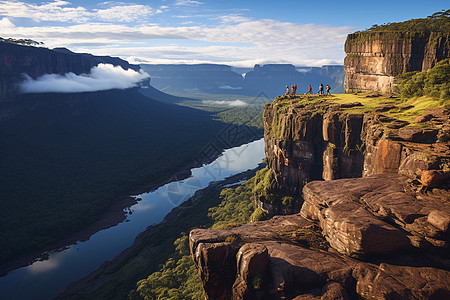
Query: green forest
{"points": [[437, 22]]}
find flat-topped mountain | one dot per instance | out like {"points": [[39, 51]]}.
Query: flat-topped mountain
{"points": [[269, 79], [369, 203], [377, 55]]}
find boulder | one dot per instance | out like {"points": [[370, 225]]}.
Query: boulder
{"points": [[433, 178], [401, 282], [439, 219], [375, 215]]}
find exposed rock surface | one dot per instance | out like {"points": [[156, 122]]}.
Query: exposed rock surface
{"points": [[375, 58], [361, 217], [271, 260], [377, 227]]}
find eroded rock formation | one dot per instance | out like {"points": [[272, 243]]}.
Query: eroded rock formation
{"points": [[306, 142], [377, 227], [375, 58]]}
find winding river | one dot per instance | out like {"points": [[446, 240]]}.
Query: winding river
{"points": [[46, 279]]}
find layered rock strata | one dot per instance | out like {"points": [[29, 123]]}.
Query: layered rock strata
{"points": [[312, 255], [305, 142], [377, 227], [375, 58]]}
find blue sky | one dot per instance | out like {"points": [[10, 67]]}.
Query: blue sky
{"points": [[239, 33]]}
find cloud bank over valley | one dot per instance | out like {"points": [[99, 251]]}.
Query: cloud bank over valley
{"points": [[224, 102], [101, 77]]}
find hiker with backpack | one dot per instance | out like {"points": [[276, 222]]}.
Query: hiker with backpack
{"points": [[321, 89]]}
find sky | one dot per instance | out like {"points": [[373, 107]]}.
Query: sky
{"points": [[238, 33]]}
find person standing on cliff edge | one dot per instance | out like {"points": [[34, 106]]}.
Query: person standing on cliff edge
{"points": [[328, 90], [321, 89], [309, 90], [294, 89], [288, 91]]}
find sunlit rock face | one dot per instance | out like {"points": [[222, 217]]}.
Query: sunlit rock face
{"points": [[375, 225], [375, 58]]}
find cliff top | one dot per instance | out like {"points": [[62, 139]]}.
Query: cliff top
{"points": [[389, 105], [437, 22]]}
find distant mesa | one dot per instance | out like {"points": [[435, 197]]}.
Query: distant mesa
{"points": [[270, 79], [377, 55], [17, 59]]}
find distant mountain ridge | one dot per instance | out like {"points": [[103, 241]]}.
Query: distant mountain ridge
{"points": [[67, 158], [270, 79], [36, 61], [376, 56]]}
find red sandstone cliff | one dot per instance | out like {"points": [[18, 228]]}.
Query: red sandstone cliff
{"points": [[376, 227], [370, 209], [375, 58]]}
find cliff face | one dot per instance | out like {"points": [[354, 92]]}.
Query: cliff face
{"points": [[16, 60], [376, 227], [322, 141], [375, 58]]}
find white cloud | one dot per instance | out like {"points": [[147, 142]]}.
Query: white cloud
{"points": [[51, 11], [231, 38], [5, 23], [101, 77], [233, 19], [63, 11], [228, 103], [244, 44], [125, 13], [188, 2], [227, 87]]}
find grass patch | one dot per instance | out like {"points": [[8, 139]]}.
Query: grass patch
{"points": [[406, 109]]}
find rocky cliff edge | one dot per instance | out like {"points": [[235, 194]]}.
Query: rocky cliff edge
{"points": [[376, 224]]}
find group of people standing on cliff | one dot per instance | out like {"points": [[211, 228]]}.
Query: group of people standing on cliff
{"points": [[320, 92], [291, 91]]}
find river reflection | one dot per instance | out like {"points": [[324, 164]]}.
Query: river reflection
{"points": [[46, 279]]}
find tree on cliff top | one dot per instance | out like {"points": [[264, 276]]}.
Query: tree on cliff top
{"points": [[25, 42], [437, 22], [434, 82]]}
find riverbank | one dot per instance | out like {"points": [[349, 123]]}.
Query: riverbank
{"points": [[186, 210], [111, 218]]}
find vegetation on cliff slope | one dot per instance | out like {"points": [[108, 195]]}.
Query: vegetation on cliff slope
{"points": [[178, 278], [437, 22], [434, 82]]}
